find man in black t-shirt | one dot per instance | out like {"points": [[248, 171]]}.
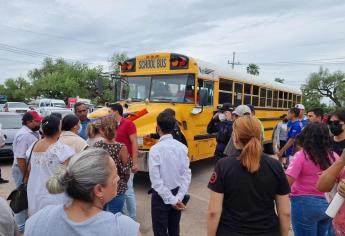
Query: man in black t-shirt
{"points": [[248, 203]]}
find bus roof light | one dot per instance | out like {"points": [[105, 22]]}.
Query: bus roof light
{"points": [[178, 61], [128, 66]]}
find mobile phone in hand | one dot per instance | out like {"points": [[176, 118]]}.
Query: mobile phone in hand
{"points": [[186, 199]]}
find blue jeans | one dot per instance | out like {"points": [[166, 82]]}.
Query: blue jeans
{"points": [[22, 216], [130, 198], [116, 204], [308, 216]]}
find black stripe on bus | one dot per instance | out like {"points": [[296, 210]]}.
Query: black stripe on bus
{"points": [[271, 109], [270, 128], [269, 118], [204, 136]]}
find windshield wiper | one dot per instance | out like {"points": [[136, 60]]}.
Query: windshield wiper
{"points": [[162, 99]]}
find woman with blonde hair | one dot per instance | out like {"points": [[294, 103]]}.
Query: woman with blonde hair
{"points": [[118, 152], [93, 132], [246, 187]]}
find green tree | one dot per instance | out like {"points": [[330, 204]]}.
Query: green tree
{"points": [[253, 69], [279, 80], [324, 84], [18, 89], [114, 61], [60, 79], [115, 68]]}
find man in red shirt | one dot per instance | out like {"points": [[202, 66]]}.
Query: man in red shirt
{"points": [[126, 133]]}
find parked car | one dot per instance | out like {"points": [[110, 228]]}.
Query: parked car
{"points": [[10, 122], [46, 111], [19, 107], [46, 106]]}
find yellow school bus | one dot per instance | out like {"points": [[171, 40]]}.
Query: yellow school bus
{"points": [[194, 89]]}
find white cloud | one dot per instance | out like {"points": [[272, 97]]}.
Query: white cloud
{"points": [[259, 31]]}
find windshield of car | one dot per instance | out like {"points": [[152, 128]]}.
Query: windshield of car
{"points": [[159, 88], [59, 104], [11, 121], [17, 105]]}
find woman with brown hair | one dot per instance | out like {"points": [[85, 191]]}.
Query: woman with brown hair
{"points": [[246, 187], [118, 152]]}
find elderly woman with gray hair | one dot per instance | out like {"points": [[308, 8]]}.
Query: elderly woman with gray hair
{"points": [[90, 180]]}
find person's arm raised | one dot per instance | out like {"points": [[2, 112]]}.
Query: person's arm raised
{"points": [[329, 177]]}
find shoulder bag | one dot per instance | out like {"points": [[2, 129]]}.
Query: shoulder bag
{"points": [[18, 197]]}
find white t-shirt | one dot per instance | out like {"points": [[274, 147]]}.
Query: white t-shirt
{"points": [[43, 165]]}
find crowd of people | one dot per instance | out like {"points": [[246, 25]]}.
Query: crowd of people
{"points": [[79, 174], [251, 194]]}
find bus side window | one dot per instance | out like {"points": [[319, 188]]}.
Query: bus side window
{"points": [[255, 97], [247, 93], [280, 104], [225, 91], [275, 98], [269, 98], [238, 94], [262, 97], [294, 100], [286, 96], [209, 85]]}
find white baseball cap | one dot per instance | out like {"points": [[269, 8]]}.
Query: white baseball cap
{"points": [[300, 106], [242, 110]]}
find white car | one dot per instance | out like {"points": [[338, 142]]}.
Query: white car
{"points": [[46, 106], [18, 107], [10, 123]]}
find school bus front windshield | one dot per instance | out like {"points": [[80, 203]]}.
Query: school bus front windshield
{"points": [[159, 88]]}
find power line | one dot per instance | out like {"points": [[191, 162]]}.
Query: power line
{"points": [[99, 45], [14, 49], [18, 61]]}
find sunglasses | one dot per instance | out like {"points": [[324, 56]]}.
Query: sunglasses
{"points": [[335, 122]]}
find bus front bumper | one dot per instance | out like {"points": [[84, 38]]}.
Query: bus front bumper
{"points": [[143, 160]]}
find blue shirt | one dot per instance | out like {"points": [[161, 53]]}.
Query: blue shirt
{"points": [[84, 125], [294, 129], [305, 122]]}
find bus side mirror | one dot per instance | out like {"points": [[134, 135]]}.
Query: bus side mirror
{"points": [[203, 96]]}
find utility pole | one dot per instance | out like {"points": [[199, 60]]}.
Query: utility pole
{"points": [[233, 61]]}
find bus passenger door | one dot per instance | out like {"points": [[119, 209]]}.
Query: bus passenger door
{"points": [[204, 143]]}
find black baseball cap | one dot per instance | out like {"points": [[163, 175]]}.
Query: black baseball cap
{"points": [[226, 107]]}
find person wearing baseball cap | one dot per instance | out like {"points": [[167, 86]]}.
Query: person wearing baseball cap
{"points": [[304, 119], [221, 125], [24, 138], [242, 110]]}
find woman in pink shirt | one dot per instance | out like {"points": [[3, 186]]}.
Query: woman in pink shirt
{"points": [[308, 204], [335, 175]]}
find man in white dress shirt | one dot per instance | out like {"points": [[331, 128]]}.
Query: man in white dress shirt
{"points": [[170, 176]]}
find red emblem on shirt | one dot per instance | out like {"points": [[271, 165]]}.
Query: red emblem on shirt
{"points": [[213, 178]]}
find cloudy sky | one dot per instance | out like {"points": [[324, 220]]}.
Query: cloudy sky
{"points": [[287, 39]]}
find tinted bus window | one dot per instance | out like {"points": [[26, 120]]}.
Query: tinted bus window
{"points": [[262, 97], [238, 94]]}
